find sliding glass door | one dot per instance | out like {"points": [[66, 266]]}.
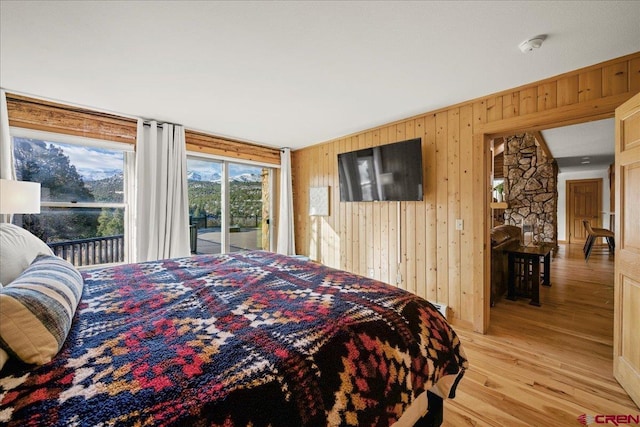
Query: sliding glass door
{"points": [[204, 179], [248, 207], [229, 206]]}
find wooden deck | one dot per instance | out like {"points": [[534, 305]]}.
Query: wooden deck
{"points": [[546, 366]]}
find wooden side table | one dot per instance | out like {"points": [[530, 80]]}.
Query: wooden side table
{"points": [[524, 271]]}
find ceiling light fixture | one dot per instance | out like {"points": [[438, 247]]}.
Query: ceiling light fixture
{"points": [[533, 43]]}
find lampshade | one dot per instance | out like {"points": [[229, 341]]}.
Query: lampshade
{"points": [[19, 197]]}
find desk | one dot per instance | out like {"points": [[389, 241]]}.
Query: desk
{"points": [[524, 271]]}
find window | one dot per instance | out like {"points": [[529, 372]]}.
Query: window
{"points": [[229, 205], [83, 193]]}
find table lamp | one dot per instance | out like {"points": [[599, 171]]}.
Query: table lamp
{"points": [[19, 197]]}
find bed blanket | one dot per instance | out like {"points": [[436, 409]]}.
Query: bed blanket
{"points": [[247, 338]]}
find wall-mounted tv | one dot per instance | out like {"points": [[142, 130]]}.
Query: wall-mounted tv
{"points": [[391, 172]]}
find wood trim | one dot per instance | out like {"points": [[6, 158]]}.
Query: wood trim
{"points": [[595, 109], [571, 114], [482, 190], [209, 144], [32, 113]]}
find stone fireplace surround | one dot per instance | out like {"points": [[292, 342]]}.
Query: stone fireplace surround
{"points": [[530, 189]]}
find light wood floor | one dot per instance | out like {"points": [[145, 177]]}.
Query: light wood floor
{"points": [[545, 366]]}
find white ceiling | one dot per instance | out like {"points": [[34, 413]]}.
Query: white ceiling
{"points": [[587, 146], [296, 73]]}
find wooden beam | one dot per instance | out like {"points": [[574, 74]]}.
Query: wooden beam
{"points": [[543, 144], [48, 116], [498, 146], [582, 112], [201, 142]]}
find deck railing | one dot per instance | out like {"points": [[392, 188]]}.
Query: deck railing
{"points": [[97, 250]]}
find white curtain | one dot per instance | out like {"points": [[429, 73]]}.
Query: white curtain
{"points": [[286, 237], [7, 170], [161, 204], [7, 167]]}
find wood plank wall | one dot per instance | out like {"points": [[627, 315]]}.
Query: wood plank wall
{"points": [[437, 261]]}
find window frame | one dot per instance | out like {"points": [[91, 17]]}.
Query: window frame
{"points": [[128, 171]]}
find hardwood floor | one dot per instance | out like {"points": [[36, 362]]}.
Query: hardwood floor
{"points": [[545, 366]]}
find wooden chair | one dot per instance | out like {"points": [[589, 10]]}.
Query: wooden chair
{"points": [[592, 236]]}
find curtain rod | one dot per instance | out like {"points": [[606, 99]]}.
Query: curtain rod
{"points": [[148, 123]]}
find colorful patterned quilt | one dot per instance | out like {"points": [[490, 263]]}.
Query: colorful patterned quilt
{"points": [[251, 338]]}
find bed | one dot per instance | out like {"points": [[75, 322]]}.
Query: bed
{"points": [[247, 338]]}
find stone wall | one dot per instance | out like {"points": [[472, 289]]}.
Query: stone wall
{"points": [[530, 189]]}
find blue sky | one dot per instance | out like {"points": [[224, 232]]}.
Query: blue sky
{"points": [[96, 163], [92, 163]]}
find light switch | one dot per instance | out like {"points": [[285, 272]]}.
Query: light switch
{"points": [[459, 224]]}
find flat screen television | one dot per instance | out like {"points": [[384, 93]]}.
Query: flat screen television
{"points": [[391, 172]]}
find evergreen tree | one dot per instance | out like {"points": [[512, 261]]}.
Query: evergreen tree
{"points": [[111, 222], [47, 164], [39, 161]]}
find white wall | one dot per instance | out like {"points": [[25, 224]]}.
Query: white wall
{"points": [[562, 197]]}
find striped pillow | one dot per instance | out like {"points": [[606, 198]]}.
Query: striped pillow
{"points": [[36, 309]]}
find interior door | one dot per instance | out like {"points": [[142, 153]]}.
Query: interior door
{"points": [[584, 201], [626, 335]]}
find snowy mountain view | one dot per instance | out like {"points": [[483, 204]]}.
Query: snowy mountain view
{"points": [[99, 175], [215, 177]]}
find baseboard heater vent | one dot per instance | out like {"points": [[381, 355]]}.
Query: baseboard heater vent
{"points": [[442, 308]]}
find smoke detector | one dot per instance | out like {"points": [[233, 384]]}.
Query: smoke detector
{"points": [[533, 43]]}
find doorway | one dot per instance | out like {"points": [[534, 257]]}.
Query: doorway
{"points": [[584, 201], [491, 132]]}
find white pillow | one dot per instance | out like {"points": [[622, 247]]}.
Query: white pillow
{"points": [[18, 249]]}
